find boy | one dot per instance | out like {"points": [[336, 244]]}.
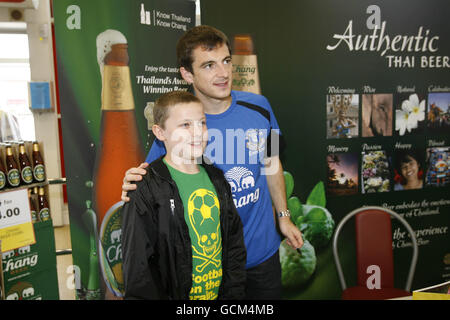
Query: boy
{"points": [[182, 236]]}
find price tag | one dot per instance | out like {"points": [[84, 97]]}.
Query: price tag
{"points": [[16, 228]]}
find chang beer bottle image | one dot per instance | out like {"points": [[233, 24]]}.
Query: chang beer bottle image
{"points": [[38, 163], [12, 169], [245, 65], [26, 172], [118, 150]]}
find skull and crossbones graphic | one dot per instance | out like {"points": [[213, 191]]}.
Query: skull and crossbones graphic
{"points": [[203, 210]]}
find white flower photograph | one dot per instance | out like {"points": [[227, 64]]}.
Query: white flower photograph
{"points": [[409, 114]]}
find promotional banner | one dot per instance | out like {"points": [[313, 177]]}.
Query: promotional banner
{"points": [[361, 92], [115, 58], [29, 272]]}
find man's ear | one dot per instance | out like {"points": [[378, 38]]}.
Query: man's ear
{"points": [[158, 132], [187, 75]]}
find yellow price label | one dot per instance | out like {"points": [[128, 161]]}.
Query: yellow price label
{"points": [[16, 227]]}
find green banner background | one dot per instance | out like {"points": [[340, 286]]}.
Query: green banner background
{"points": [[298, 72], [77, 24]]}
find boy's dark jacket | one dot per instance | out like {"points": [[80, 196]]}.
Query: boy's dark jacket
{"points": [[156, 247]]}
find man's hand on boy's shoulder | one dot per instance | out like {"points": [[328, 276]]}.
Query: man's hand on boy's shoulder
{"points": [[132, 175]]}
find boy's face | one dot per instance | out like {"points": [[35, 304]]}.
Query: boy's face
{"points": [[185, 134], [211, 72]]}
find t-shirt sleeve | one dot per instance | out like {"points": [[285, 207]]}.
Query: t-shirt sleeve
{"points": [[156, 151], [273, 120], [275, 141]]}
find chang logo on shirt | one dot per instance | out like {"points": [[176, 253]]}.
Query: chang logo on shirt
{"points": [[241, 179]]}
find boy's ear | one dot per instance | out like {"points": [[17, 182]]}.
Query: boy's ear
{"points": [[187, 75], [158, 132]]}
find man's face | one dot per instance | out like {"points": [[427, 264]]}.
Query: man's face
{"points": [[211, 72], [185, 134]]}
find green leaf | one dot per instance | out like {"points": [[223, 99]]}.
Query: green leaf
{"points": [[289, 182], [317, 195], [295, 207]]}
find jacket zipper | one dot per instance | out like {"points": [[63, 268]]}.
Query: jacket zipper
{"points": [[172, 206]]}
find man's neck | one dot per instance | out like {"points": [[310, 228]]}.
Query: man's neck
{"points": [[213, 105]]}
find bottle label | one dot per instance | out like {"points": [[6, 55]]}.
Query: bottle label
{"points": [[117, 94], [110, 244], [245, 73], [14, 177], [39, 172], [34, 217], [27, 174], [44, 214], [2, 180]]}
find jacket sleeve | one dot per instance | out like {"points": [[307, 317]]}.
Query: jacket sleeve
{"points": [[237, 255], [138, 246]]}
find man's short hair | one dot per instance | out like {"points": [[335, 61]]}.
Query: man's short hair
{"points": [[168, 100], [206, 37]]}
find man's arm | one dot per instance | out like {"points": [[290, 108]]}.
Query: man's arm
{"points": [[132, 175], [277, 189]]}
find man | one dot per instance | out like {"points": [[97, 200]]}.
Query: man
{"points": [[256, 181]]}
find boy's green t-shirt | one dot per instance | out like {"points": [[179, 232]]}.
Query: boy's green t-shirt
{"points": [[202, 216]]}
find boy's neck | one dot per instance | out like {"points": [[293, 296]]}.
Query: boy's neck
{"points": [[182, 165]]}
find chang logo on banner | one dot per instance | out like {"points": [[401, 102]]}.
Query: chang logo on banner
{"points": [[110, 244], [159, 18], [23, 291]]}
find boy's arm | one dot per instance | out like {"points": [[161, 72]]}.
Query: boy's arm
{"points": [[138, 243]]}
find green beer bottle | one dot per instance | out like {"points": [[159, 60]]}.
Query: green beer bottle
{"points": [[34, 215], [38, 163], [26, 173], [89, 217], [2, 174], [13, 173], [44, 209]]}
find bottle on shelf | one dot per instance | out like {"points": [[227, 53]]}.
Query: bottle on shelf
{"points": [[26, 172], [2, 174], [43, 207], [38, 163], [12, 169], [34, 215]]}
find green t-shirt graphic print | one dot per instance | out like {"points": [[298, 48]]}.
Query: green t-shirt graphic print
{"points": [[202, 216]]}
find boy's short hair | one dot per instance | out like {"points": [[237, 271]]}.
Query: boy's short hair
{"points": [[168, 100], [205, 36]]}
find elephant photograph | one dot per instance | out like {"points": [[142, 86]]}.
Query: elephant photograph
{"points": [[377, 115]]}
